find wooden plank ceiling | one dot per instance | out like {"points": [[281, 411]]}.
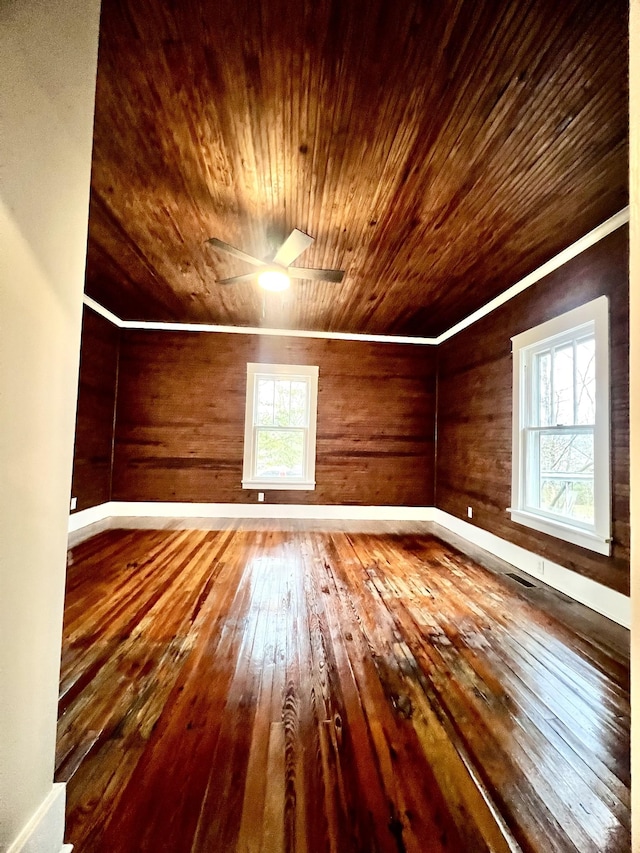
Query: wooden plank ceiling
{"points": [[438, 152]]}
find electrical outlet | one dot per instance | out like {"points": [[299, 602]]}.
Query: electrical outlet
{"points": [[470, 512], [541, 566], [74, 503], [260, 496]]}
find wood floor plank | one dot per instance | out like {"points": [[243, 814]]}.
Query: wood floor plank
{"points": [[565, 821], [488, 723], [267, 688]]}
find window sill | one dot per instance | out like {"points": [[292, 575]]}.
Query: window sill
{"points": [[577, 536], [281, 484]]}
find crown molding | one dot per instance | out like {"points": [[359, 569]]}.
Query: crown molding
{"points": [[581, 245], [158, 326], [608, 227], [104, 312]]}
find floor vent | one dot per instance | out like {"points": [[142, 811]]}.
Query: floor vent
{"points": [[519, 579]]}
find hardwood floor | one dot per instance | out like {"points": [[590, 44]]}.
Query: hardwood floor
{"points": [[301, 690]]}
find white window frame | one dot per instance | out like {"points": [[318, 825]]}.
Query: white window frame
{"points": [[290, 371], [593, 316]]}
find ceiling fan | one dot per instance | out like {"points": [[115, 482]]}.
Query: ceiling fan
{"points": [[276, 274]]}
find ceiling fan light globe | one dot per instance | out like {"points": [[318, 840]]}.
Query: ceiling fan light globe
{"points": [[274, 280]]}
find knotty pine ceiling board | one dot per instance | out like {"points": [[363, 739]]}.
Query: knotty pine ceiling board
{"points": [[438, 152]]}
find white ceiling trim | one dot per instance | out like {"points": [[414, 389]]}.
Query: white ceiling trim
{"points": [[581, 245], [104, 312], [250, 330]]}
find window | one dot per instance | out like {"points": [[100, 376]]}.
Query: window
{"points": [[560, 473], [280, 427]]}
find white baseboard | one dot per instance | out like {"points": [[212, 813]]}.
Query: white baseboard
{"points": [[149, 509], [84, 517], [284, 511], [614, 605], [44, 833], [600, 598]]}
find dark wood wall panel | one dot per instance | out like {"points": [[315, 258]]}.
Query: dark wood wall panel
{"points": [[475, 408], [94, 418], [180, 418]]}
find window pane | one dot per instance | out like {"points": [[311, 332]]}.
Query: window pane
{"points": [[568, 498], [566, 453], [298, 404], [566, 475], [586, 381], [279, 453], [265, 402], [282, 403], [563, 385], [543, 374]]}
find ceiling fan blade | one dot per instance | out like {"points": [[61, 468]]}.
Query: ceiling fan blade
{"points": [[237, 253], [238, 278], [294, 245], [316, 275]]}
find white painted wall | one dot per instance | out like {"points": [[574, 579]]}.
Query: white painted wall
{"points": [[634, 320], [48, 54]]}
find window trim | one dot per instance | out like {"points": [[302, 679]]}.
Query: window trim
{"points": [[293, 371], [596, 537]]}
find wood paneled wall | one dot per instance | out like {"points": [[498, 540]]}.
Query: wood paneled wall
{"points": [[181, 397], [475, 408], [94, 418], [181, 405]]}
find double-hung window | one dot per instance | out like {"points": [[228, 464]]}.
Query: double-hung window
{"points": [[280, 426], [560, 477]]}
